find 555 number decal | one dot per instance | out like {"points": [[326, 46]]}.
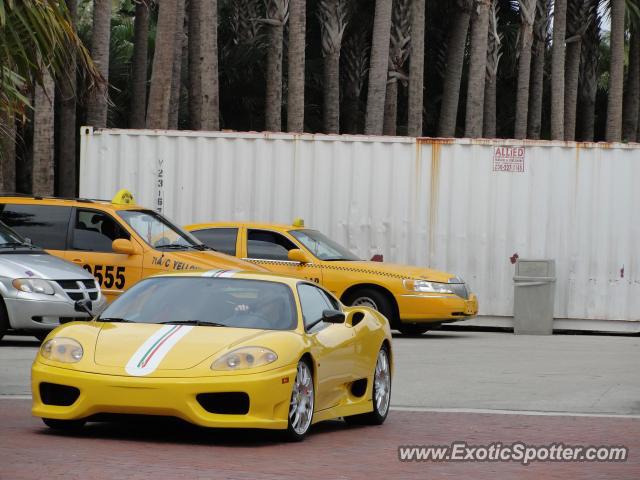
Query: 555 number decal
{"points": [[108, 276]]}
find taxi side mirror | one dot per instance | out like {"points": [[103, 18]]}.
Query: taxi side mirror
{"points": [[297, 255], [124, 246]]}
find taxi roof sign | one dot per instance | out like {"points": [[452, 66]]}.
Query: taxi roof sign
{"points": [[298, 222], [123, 197]]}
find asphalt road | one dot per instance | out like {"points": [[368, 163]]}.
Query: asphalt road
{"points": [[476, 387]]}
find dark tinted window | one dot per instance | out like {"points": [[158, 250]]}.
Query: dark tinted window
{"points": [[45, 225], [313, 302], [220, 239], [268, 245], [95, 231]]}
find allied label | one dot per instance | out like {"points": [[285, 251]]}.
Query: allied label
{"points": [[509, 159]]}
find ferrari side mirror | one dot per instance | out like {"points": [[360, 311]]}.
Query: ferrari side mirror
{"points": [[333, 316]]}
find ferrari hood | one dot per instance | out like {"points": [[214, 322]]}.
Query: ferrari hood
{"points": [[394, 270], [205, 260], [141, 346]]}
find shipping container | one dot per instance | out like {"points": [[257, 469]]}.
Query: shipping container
{"points": [[470, 207]]}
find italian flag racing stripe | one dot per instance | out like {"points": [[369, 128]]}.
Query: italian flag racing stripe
{"points": [[154, 348], [148, 357]]}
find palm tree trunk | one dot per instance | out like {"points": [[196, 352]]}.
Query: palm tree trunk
{"points": [[296, 63], [616, 75], [162, 72], [390, 109], [490, 86], [176, 76], [42, 177], [527, 17], [195, 64], [557, 69], [67, 136], [588, 84], [139, 66], [378, 68], [100, 37], [7, 152], [572, 73], [209, 85], [453, 73], [632, 90], [332, 93], [536, 92], [416, 69], [277, 15], [477, 69]]}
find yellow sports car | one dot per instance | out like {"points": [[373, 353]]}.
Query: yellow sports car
{"points": [[414, 299], [219, 349]]}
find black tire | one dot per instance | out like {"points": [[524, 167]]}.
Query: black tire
{"points": [[370, 297], [377, 416], [4, 319], [291, 434], [413, 329], [64, 425]]}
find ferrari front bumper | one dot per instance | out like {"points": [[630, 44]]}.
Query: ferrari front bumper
{"points": [[269, 396]]}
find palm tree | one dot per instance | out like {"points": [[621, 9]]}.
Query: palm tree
{"points": [[68, 132], [477, 69], [493, 60], [162, 72], [616, 73], [632, 89], [332, 15], [558, 69], [42, 165], [577, 16], [398, 54], [209, 81], [527, 17], [7, 151], [416, 69], [195, 64], [378, 68], [139, 66], [296, 62], [176, 75], [355, 68], [453, 70], [277, 15], [589, 65], [101, 32], [538, 51]]}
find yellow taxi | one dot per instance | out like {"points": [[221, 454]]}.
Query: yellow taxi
{"points": [[118, 241], [414, 299]]}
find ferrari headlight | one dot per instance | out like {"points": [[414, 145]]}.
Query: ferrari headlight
{"points": [[62, 349], [245, 357], [427, 287], [33, 285]]}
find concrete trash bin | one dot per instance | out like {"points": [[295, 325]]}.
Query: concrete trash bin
{"points": [[534, 294]]}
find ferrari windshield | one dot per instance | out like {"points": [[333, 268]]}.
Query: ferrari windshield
{"points": [[158, 232], [206, 301], [322, 246]]}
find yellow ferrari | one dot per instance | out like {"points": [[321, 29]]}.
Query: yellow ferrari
{"points": [[219, 349]]}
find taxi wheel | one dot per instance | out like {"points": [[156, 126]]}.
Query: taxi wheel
{"points": [[368, 297], [381, 394], [412, 329], [64, 425], [4, 319]]}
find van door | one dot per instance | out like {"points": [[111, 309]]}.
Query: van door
{"points": [[92, 232]]}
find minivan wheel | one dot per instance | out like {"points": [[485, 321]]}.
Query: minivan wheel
{"points": [[4, 319]]}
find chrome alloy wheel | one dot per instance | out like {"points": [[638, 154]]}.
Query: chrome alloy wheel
{"points": [[382, 383], [301, 407], [365, 302]]}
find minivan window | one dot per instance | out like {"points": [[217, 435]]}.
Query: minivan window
{"points": [[45, 225]]}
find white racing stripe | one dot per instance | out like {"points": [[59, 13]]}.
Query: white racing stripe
{"points": [[148, 357]]}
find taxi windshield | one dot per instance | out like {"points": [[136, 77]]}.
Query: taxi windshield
{"points": [[322, 246], [206, 301], [158, 232]]}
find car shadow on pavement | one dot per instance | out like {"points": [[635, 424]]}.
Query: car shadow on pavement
{"points": [[435, 335], [169, 430], [20, 343]]}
